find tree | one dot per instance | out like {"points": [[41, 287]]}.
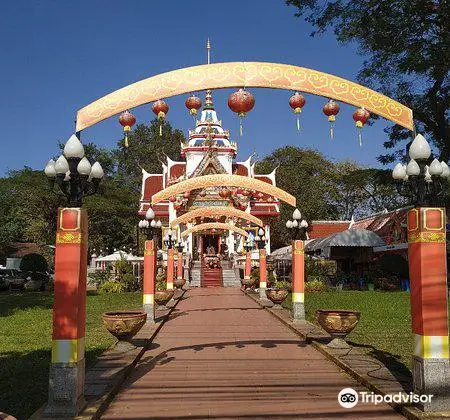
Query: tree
{"points": [[33, 263], [406, 48], [307, 175], [146, 151]]}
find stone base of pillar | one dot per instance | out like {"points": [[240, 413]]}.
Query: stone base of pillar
{"points": [[66, 389], [262, 293], [431, 376], [149, 309], [298, 311]]}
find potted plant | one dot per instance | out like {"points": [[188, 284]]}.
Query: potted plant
{"points": [[179, 282], [249, 282], [278, 292]]}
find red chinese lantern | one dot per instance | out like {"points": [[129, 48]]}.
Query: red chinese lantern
{"points": [[297, 102], [241, 102], [186, 195], [331, 109], [224, 192], [127, 120], [360, 116], [193, 103], [172, 199], [160, 109], [202, 193]]}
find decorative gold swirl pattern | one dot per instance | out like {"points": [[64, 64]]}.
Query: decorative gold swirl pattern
{"points": [[239, 74], [216, 225], [224, 180], [68, 238], [216, 211]]}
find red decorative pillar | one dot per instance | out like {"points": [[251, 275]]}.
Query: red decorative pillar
{"points": [[298, 280], [262, 273], [170, 268], [150, 265], [248, 265], [428, 277], [66, 381], [180, 265]]}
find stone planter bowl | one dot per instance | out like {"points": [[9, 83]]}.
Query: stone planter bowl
{"points": [[248, 282], [124, 324], [163, 296], [338, 323], [179, 283], [277, 296]]}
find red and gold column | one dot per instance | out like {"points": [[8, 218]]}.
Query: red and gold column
{"points": [[298, 280], [170, 268], [262, 273], [150, 266], [248, 265], [428, 277], [66, 381], [180, 265]]}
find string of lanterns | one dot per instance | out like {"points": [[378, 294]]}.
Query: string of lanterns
{"points": [[241, 102]]}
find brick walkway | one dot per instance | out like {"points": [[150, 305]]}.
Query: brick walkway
{"points": [[222, 356]]}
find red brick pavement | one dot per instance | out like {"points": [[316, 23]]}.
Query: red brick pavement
{"points": [[222, 356]]}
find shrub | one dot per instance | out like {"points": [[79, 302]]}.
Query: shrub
{"points": [[99, 277], [315, 285], [161, 285], [33, 263], [111, 286], [254, 274], [282, 284], [125, 275]]}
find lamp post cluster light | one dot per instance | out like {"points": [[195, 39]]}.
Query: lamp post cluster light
{"points": [[421, 180], [73, 173], [297, 226], [149, 225], [261, 239]]}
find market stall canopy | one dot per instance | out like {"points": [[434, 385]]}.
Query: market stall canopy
{"points": [[349, 237]]}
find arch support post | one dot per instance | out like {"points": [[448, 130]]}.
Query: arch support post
{"points": [[180, 265], [150, 265], [262, 274], [67, 368], [428, 275], [248, 265], [298, 280], [170, 268]]}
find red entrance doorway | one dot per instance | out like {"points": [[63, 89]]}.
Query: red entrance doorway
{"points": [[211, 275]]}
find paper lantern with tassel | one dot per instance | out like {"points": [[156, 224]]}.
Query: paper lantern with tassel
{"points": [[297, 102], [360, 116], [241, 102], [127, 120], [193, 103], [160, 109], [331, 109]]}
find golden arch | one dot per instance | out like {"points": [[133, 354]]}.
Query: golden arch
{"points": [[209, 226], [216, 211], [243, 74], [225, 180]]}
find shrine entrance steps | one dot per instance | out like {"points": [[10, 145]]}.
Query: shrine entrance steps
{"points": [[211, 277]]}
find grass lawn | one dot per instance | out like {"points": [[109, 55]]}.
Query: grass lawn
{"points": [[384, 329], [25, 343]]}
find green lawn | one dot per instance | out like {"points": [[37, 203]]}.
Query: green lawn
{"points": [[384, 329], [25, 343]]}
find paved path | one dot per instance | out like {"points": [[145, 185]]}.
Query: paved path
{"points": [[222, 356]]}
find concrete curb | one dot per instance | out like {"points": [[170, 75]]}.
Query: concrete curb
{"points": [[96, 407], [409, 412]]}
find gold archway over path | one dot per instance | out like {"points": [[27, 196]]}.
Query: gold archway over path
{"points": [[224, 180], [216, 211], [216, 225], [242, 74]]}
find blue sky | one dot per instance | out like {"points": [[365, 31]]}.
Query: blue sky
{"points": [[60, 55]]}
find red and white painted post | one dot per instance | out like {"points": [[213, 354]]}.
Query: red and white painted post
{"points": [[170, 268], [298, 280], [248, 265], [428, 276], [67, 369], [150, 266], [262, 273]]}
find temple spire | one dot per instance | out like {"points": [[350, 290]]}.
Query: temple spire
{"points": [[208, 98], [208, 50]]}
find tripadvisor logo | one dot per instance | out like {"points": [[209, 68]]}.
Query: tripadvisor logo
{"points": [[348, 398]]}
